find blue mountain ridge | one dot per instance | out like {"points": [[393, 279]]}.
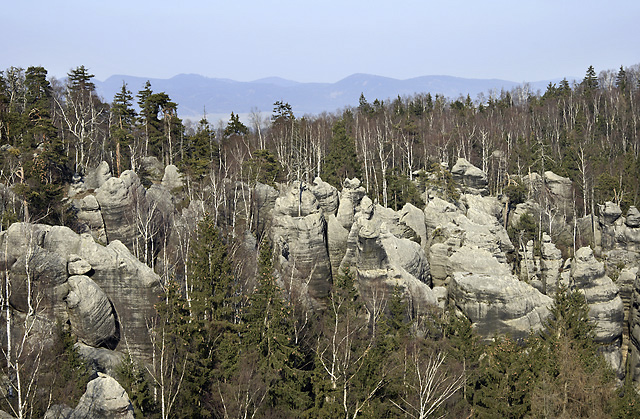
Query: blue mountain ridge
{"points": [[195, 93]]}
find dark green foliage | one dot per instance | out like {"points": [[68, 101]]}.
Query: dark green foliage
{"points": [[341, 161], [133, 378], [122, 130], [401, 190], [516, 192], [72, 372], [263, 167], [235, 127], [200, 151]]}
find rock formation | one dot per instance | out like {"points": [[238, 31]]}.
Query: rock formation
{"points": [[299, 232], [77, 280], [605, 305], [104, 399], [499, 304]]}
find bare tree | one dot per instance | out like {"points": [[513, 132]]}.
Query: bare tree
{"points": [[427, 383]]}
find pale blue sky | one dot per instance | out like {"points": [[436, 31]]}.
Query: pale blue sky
{"points": [[322, 41]]}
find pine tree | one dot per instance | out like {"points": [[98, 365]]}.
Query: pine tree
{"points": [[122, 130]]}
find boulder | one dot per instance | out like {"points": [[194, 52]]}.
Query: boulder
{"points": [[498, 305], [326, 195], [122, 201], [104, 399], [77, 266], [89, 215], [172, 178], [469, 176], [58, 411], [633, 217], [100, 359], [91, 313], [97, 177]]}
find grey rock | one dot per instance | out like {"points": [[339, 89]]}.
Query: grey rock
{"points": [[382, 261], [350, 197], [469, 176], [152, 168], [100, 359], [414, 218], [122, 200], [605, 305], [610, 212], [299, 237], [91, 313], [499, 304], [326, 195], [58, 411], [77, 266], [97, 177], [633, 217], [104, 399], [172, 178]]}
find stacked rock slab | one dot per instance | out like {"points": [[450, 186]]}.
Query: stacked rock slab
{"points": [[605, 305], [299, 237]]}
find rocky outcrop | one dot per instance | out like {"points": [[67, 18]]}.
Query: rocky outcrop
{"points": [[299, 236], [172, 178], [91, 314], [470, 240], [326, 195], [499, 304], [605, 305], [469, 177], [104, 399], [80, 281], [382, 261], [122, 200], [350, 196]]}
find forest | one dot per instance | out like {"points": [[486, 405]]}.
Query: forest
{"points": [[229, 340]]}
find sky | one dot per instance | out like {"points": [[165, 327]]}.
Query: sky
{"points": [[321, 41]]}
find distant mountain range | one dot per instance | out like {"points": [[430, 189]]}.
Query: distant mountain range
{"points": [[220, 97]]}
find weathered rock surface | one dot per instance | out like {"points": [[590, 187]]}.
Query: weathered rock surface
{"points": [[91, 314], [114, 284], [605, 305], [122, 200], [466, 241], [350, 196], [299, 236], [499, 304], [104, 399], [382, 261], [471, 178], [326, 195], [172, 178]]}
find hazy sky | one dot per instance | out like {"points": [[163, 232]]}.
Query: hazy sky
{"points": [[324, 41]]}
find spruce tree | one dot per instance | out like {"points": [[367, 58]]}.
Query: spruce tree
{"points": [[341, 161], [122, 130]]}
